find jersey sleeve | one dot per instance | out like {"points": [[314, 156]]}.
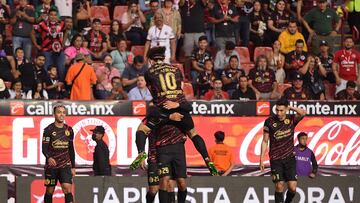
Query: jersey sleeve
{"points": [[266, 127], [296, 119], [46, 143], [71, 148]]}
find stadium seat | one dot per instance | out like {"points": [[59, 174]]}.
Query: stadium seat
{"points": [[247, 67], [329, 90], [281, 87], [105, 29], [188, 91], [137, 50], [119, 11], [101, 12], [244, 54], [262, 51], [181, 67]]}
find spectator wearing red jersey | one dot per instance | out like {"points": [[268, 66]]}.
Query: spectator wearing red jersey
{"points": [[51, 32], [217, 93], [346, 65], [96, 41]]}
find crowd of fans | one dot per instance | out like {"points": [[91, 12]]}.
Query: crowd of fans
{"points": [[58, 50]]}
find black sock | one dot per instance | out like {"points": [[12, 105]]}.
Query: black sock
{"points": [[140, 141], [69, 198], [48, 198], [171, 197], [163, 196], [182, 196], [200, 146], [150, 197], [289, 196], [279, 197]]}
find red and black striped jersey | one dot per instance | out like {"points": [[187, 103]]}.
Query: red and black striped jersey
{"points": [[51, 34]]}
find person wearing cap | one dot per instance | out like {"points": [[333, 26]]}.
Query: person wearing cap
{"points": [[4, 92], [289, 36], [326, 59], [81, 76], [306, 164], [104, 73], [96, 40], [222, 57], [130, 74], [101, 164], [350, 93], [222, 155], [297, 91], [319, 22]]}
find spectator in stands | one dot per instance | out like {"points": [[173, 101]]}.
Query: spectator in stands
{"points": [[53, 86], [319, 23], [198, 58], [222, 155], [295, 59], [161, 35], [277, 22], [231, 74], [313, 72], [244, 92], [297, 91], [20, 58], [129, 77], [65, 8], [82, 15], [289, 36], [257, 24], [81, 77], [262, 79], [352, 7], [115, 35], [216, 93], [277, 62], [209, 26], [75, 48], [16, 91], [154, 6], [224, 16], [350, 93], [117, 92], [96, 41], [42, 11], [132, 21], [38, 92], [171, 17], [140, 92], [223, 56], [302, 8], [121, 57], [104, 74], [22, 19], [69, 31], [31, 72], [4, 18], [4, 92], [346, 65], [205, 78], [8, 70], [327, 59], [192, 18], [51, 32], [245, 8]]}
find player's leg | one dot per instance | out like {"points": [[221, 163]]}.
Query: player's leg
{"points": [[171, 190], [66, 184], [153, 182], [50, 183], [48, 194], [291, 178], [277, 171], [182, 190], [179, 171], [150, 195], [164, 157]]}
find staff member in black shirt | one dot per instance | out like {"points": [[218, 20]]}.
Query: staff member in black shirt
{"points": [[101, 165]]}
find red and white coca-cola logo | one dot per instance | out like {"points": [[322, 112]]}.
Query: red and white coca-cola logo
{"points": [[262, 108], [17, 108], [333, 143], [84, 144], [139, 108]]}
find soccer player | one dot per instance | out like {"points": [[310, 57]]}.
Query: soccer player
{"points": [[306, 164], [279, 129], [164, 83], [58, 148]]}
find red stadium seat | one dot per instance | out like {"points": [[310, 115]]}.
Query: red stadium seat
{"points": [[105, 29], [330, 90], [101, 12], [188, 91], [247, 67], [137, 50], [262, 51], [281, 87], [119, 11], [244, 54]]}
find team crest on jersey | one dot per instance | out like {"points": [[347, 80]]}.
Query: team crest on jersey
{"points": [[274, 125], [230, 12], [287, 121], [67, 133], [53, 133], [302, 57]]}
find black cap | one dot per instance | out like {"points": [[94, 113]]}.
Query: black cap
{"points": [[98, 129], [323, 43], [298, 76]]}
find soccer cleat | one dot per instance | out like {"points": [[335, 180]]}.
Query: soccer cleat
{"points": [[136, 163], [212, 169]]}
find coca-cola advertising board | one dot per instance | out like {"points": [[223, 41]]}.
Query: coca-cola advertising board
{"points": [[334, 140]]}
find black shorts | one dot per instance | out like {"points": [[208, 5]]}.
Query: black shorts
{"points": [[172, 161], [52, 175], [153, 177], [154, 120], [283, 169]]}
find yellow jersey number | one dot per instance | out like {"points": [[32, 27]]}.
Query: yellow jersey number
{"points": [[168, 81]]}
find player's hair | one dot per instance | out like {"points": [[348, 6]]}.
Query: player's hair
{"points": [[157, 53], [219, 136], [58, 105], [351, 84], [282, 102], [302, 134]]}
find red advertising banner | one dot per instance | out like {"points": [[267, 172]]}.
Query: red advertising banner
{"points": [[334, 140]]}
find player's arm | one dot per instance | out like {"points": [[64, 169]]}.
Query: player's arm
{"points": [[314, 165], [72, 152], [232, 164], [264, 145], [300, 113], [46, 143], [185, 106]]}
